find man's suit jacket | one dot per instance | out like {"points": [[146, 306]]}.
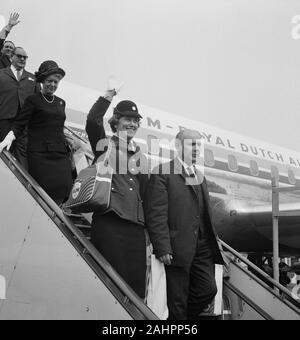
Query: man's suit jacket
{"points": [[13, 93], [4, 60], [173, 215]]}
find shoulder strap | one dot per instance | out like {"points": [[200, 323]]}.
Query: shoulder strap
{"points": [[107, 153]]}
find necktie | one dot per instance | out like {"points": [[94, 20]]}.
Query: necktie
{"points": [[196, 174], [191, 179], [19, 75], [191, 171]]}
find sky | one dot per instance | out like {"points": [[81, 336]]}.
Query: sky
{"points": [[230, 63]]}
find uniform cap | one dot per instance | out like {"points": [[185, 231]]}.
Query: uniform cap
{"points": [[127, 108]]}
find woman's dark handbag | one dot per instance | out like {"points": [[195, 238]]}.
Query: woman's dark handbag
{"points": [[92, 188]]}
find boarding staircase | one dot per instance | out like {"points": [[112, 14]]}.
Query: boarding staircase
{"points": [[51, 269], [54, 272], [251, 294]]}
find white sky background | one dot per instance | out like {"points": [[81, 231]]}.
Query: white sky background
{"points": [[229, 63]]}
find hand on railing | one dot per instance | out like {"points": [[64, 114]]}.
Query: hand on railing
{"points": [[7, 142]]}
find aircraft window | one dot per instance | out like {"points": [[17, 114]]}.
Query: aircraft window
{"points": [[254, 168], [232, 163], [274, 172], [292, 178], [153, 145], [209, 157]]}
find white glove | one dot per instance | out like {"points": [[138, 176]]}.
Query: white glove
{"points": [[7, 141], [113, 88], [113, 84]]}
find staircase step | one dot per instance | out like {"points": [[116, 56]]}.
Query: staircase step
{"points": [[81, 222], [83, 226]]}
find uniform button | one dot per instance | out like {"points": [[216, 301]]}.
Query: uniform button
{"points": [[131, 179], [131, 189]]}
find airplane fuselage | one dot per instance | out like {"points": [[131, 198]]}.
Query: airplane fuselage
{"points": [[239, 171]]}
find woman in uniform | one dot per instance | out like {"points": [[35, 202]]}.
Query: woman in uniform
{"points": [[118, 233]]}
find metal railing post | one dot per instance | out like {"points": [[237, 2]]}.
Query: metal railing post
{"points": [[275, 215]]}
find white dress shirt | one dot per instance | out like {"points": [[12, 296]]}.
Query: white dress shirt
{"points": [[15, 72], [193, 170], [187, 168]]}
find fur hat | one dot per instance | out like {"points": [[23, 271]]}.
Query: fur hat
{"points": [[47, 69]]}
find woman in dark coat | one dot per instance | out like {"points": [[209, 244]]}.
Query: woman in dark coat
{"points": [[48, 155], [118, 233]]}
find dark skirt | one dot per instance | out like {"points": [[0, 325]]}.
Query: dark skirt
{"points": [[123, 245], [52, 171]]}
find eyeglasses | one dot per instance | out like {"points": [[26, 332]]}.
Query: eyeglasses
{"points": [[20, 56]]}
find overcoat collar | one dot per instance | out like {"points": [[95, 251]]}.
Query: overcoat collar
{"points": [[179, 169], [10, 73]]}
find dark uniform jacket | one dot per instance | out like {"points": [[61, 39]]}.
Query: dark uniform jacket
{"points": [[127, 188], [173, 216], [13, 92]]}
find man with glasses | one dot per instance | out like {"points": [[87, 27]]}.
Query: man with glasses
{"points": [[7, 47], [16, 84]]}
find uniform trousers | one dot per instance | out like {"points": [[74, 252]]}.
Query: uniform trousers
{"points": [[192, 288]]}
